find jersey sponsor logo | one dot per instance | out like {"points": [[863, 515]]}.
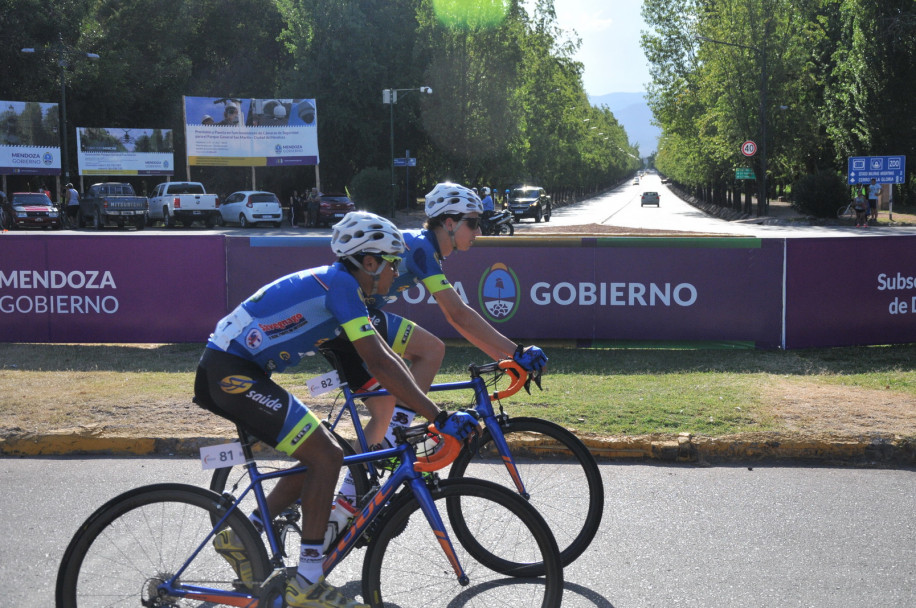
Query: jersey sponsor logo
{"points": [[236, 385], [283, 327], [285, 355], [301, 434], [265, 400], [368, 328], [498, 293], [310, 554], [253, 339]]}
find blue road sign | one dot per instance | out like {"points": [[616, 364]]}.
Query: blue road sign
{"points": [[884, 169], [405, 162]]}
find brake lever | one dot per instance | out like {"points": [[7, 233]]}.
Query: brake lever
{"points": [[537, 380]]}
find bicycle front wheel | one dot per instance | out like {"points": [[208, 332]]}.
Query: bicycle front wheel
{"points": [[405, 567], [143, 537], [560, 475]]}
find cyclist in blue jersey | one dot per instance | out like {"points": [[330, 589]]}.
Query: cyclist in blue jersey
{"points": [[271, 331], [453, 213]]}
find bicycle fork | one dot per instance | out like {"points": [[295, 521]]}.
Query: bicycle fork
{"points": [[495, 426]]}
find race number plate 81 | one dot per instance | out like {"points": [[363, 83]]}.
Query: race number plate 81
{"points": [[219, 456]]}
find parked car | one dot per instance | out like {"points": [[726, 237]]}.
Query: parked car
{"points": [[333, 207], [28, 210], [649, 198], [529, 201], [184, 202], [635, 181], [112, 203], [249, 207]]}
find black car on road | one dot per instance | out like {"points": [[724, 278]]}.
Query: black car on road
{"points": [[529, 201]]}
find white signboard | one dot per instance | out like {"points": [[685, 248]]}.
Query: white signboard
{"points": [[29, 138], [251, 132], [117, 151]]}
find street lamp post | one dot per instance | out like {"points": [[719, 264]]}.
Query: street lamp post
{"points": [[63, 51], [762, 203], [390, 97]]}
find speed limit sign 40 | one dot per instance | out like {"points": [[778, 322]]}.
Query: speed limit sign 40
{"points": [[749, 148]]}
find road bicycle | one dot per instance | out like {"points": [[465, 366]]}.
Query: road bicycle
{"points": [[152, 546], [543, 462]]}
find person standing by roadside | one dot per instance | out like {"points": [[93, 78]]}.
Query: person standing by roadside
{"points": [[861, 209], [295, 209], [313, 203], [874, 191], [73, 205]]}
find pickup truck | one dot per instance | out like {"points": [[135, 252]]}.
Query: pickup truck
{"points": [[112, 202], [185, 202]]}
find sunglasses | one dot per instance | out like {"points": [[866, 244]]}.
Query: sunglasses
{"points": [[472, 222], [393, 261]]}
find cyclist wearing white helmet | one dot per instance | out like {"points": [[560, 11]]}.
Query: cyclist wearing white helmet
{"points": [[453, 213], [271, 331]]}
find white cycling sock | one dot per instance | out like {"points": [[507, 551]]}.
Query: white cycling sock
{"points": [[311, 558], [348, 489], [402, 416]]}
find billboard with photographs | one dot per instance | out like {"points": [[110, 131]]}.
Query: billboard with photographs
{"points": [[117, 151], [29, 138], [230, 132]]}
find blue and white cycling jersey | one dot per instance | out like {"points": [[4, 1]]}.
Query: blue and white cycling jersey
{"points": [[290, 317], [422, 264]]}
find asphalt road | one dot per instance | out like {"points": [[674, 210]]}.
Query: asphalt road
{"points": [[621, 207], [671, 535]]}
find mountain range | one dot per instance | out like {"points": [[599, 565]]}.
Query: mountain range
{"points": [[632, 111]]}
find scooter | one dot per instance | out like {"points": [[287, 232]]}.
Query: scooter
{"points": [[496, 224]]}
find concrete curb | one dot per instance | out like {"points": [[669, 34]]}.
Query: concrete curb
{"points": [[878, 450]]}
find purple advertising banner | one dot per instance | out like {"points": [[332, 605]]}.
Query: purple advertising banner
{"points": [[842, 292], [680, 289], [110, 288]]}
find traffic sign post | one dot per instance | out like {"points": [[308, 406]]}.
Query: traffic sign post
{"points": [[883, 169], [744, 173], [406, 162]]}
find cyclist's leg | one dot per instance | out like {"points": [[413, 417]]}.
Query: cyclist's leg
{"points": [[423, 350], [240, 391]]}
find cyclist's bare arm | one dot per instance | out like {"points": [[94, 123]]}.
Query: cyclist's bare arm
{"points": [[472, 326], [393, 374]]}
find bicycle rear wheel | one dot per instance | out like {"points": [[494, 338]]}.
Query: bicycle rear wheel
{"points": [[404, 567], [559, 473], [143, 537]]}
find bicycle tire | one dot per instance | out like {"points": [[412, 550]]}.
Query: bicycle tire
{"points": [[144, 535], [404, 567], [573, 472]]}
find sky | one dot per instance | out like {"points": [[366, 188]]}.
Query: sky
{"points": [[610, 29]]}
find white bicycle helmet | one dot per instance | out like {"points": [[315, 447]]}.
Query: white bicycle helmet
{"points": [[364, 232], [448, 198], [485, 191]]}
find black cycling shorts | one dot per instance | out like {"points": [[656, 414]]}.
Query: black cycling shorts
{"points": [[239, 390]]}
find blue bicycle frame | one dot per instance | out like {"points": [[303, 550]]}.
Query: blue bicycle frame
{"points": [[404, 474], [483, 406]]}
